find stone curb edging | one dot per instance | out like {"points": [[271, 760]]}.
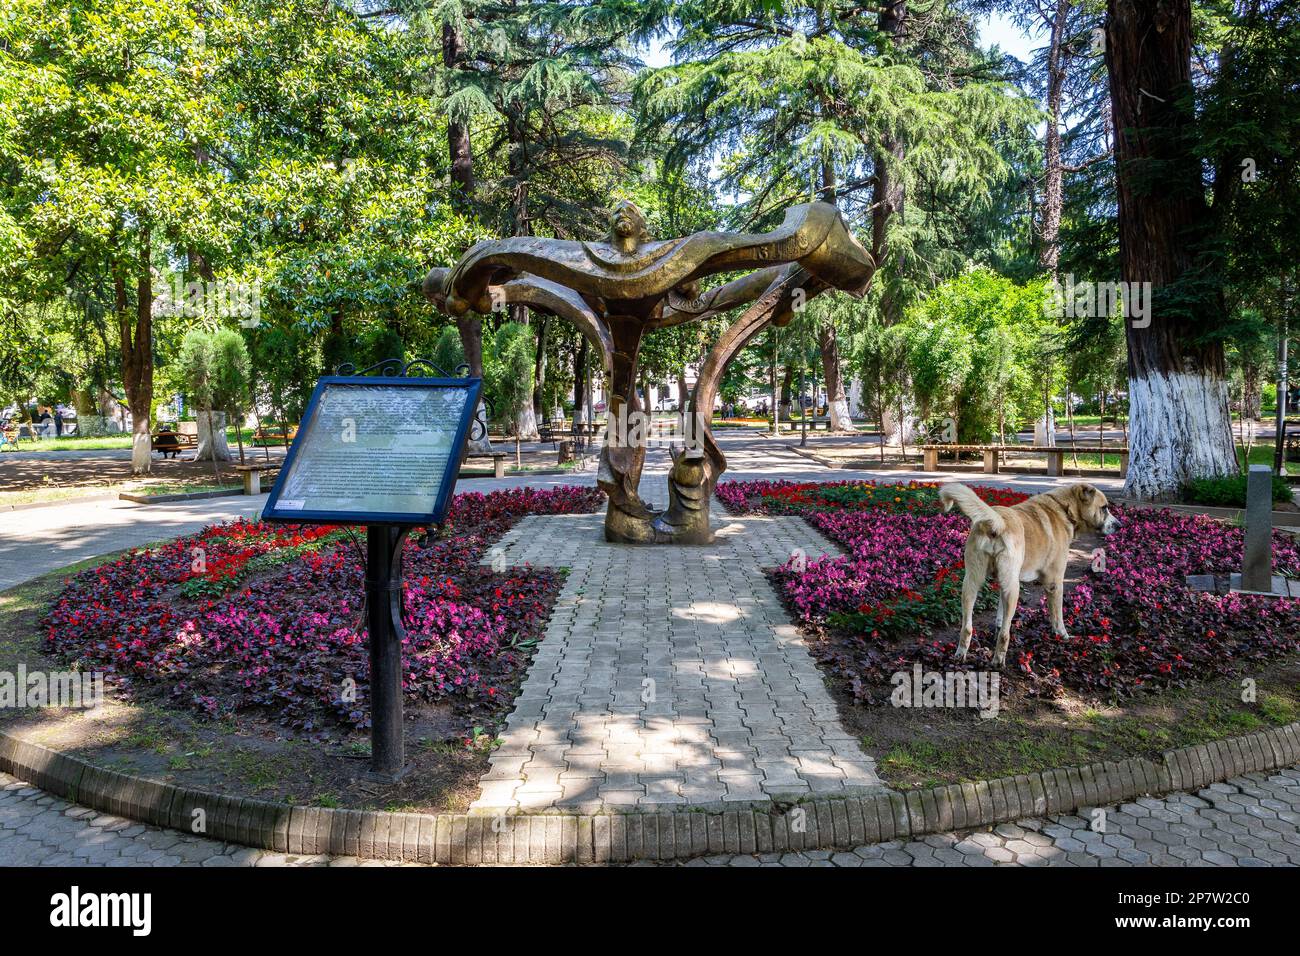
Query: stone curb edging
{"points": [[555, 838], [187, 496], [80, 499]]}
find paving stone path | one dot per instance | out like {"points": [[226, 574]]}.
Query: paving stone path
{"points": [[1249, 821], [1252, 820], [669, 676], [37, 829]]}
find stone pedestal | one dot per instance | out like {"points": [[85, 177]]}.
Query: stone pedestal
{"points": [[1257, 560]]}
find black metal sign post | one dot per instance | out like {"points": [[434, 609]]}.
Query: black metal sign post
{"points": [[384, 617], [296, 498]]}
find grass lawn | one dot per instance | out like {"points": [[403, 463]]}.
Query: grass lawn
{"points": [[180, 488], [73, 443], [77, 443], [1259, 455]]}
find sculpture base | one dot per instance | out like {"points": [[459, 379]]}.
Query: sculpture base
{"points": [[622, 528]]}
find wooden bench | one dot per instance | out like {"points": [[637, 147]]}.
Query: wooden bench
{"points": [[264, 437], [498, 461], [1055, 455], [172, 443], [252, 475]]}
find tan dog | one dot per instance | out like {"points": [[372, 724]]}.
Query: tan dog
{"points": [[1028, 542]]}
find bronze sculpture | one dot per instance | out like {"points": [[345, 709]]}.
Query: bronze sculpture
{"points": [[616, 290]]}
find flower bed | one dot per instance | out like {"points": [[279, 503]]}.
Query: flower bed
{"points": [[895, 599], [253, 616]]}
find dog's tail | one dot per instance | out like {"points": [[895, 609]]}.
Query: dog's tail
{"points": [[982, 517]]}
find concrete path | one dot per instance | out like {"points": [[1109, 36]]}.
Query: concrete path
{"points": [[668, 676], [1249, 821], [35, 541]]}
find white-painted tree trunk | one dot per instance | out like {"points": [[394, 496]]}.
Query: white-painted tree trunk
{"points": [[212, 437], [841, 420], [1045, 430], [141, 452], [1179, 428], [900, 430], [526, 423]]}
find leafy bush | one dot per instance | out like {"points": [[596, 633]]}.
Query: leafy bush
{"points": [[1228, 491], [508, 363]]}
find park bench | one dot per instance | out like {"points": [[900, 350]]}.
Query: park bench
{"points": [[265, 437], [172, 443], [252, 475], [546, 433], [1055, 455], [498, 461]]}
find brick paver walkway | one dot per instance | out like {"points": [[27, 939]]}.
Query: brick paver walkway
{"points": [[669, 676], [1250, 821], [37, 829], [1253, 820]]}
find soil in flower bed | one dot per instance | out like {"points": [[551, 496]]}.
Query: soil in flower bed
{"points": [[236, 658], [1149, 664]]}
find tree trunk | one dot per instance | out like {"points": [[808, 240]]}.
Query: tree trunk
{"points": [[772, 382], [836, 401], [1049, 223], [887, 193], [880, 410], [525, 424], [461, 155], [1178, 396], [136, 341], [787, 398], [539, 367], [336, 349], [1251, 397], [459, 149], [580, 379], [1283, 380]]}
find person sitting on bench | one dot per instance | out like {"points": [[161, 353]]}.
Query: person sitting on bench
{"points": [[165, 441]]}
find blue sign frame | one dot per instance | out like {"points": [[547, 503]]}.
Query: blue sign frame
{"points": [[438, 513]]}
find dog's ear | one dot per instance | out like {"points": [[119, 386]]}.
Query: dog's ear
{"points": [[1086, 493]]}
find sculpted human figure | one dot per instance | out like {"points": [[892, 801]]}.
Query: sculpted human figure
{"points": [[617, 289]]}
